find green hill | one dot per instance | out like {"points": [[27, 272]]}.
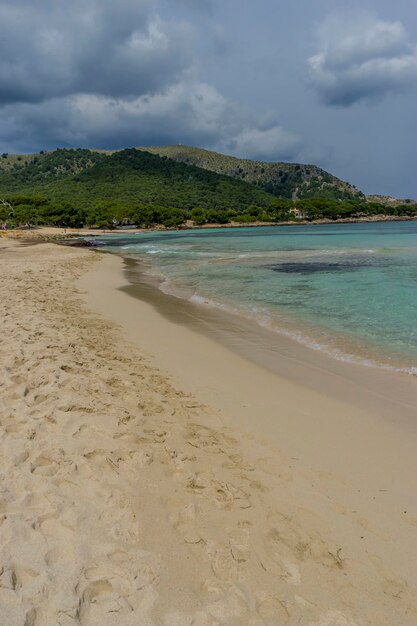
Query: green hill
{"points": [[75, 187], [87, 178], [285, 180]]}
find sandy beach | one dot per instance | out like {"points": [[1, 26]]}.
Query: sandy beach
{"points": [[156, 470]]}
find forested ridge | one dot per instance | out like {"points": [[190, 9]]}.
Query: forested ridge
{"points": [[76, 187], [286, 180]]}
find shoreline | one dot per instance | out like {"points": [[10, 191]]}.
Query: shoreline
{"points": [[362, 354], [337, 425], [50, 233], [154, 475], [275, 354], [278, 352]]}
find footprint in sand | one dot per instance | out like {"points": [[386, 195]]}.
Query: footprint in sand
{"points": [[22, 577], [232, 604], [287, 539], [223, 564], [272, 610], [114, 590], [334, 618], [44, 465], [125, 572], [200, 436], [226, 496], [31, 618], [119, 519], [180, 459], [184, 519]]}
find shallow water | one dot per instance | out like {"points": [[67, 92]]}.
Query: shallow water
{"points": [[347, 289]]}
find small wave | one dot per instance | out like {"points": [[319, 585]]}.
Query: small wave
{"points": [[180, 271], [265, 321], [336, 353], [211, 303]]}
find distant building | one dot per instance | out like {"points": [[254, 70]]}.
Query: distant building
{"points": [[301, 215]]}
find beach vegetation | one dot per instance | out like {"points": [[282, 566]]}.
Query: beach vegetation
{"points": [[39, 210]]}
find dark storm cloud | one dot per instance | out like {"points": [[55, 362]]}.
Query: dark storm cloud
{"points": [[231, 76], [107, 74], [58, 48], [362, 59], [196, 112]]}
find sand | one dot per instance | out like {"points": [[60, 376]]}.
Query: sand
{"points": [[151, 475]]}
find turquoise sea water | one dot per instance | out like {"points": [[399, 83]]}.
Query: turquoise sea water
{"points": [[347, 289]]}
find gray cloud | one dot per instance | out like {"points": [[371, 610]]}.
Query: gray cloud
{"points": [[265, 144], [189, 112], [134, 72], [362, 59], [101, 74], [103, 47]]}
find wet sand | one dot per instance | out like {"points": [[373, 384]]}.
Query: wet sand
{"points": [[387, 393]]}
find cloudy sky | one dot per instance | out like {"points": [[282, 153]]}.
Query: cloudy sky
{"points": [[307, 80]]}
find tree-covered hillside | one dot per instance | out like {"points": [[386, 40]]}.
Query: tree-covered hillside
{"points": [[87, 178], [285, 180], [132, 186]]}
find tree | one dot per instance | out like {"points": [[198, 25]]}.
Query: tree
{"points": [[198, 216], [8, 210]]}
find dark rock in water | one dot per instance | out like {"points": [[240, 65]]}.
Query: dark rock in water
{"points": [[80, 243], [316, 267]]}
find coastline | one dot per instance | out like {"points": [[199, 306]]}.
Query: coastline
{"points": [[278, 352], [60, 234], [290, 330], [352, 430], [156, 474], [171, 328]]}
